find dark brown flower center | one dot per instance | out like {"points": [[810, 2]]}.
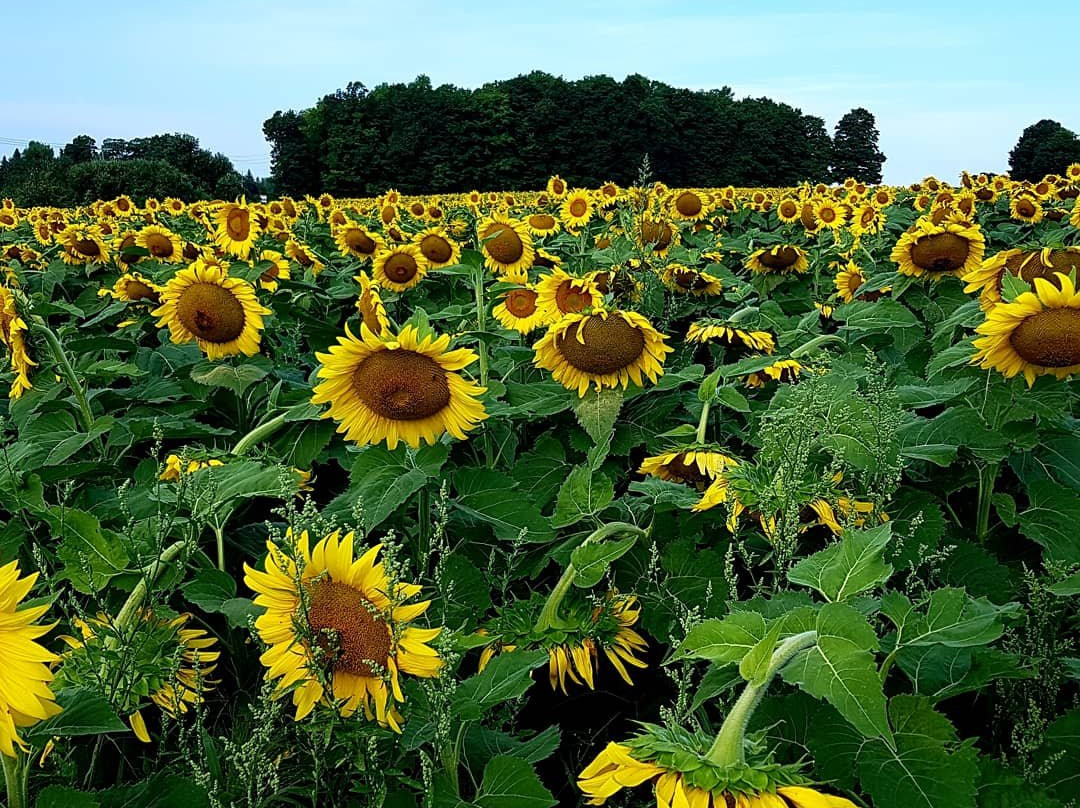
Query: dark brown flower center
{"points": [[89, 247], [688, 204], [521, 302], [400, 267], [159, 246], [210, 312], [685, 472], [1025, 208], [402, 385], [347, 629], [570, 299], [137, 290], [238, 224], [359, 241], [609, 344], [788, 209], [502, 243], [779, 258], [436, 249], [941, 252], [1050, 339], [541, 221], [658, 234], [578, 207]]}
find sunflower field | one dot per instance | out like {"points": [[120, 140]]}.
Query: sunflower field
{"points": [[701, 498]]}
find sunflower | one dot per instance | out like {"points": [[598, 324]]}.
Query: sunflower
{"points": [[236, 228], [83, 245], [688, 206], [339, 631], [675, 762], [175, 467], [1074, 219], [938, 250], [9, 219], [355, 240], [659, 235], [396, 389], [1037, 333], [573, 649], [399, 268], [162, 244], [370, 305], [556, 186], [605, 349], [830, 214], [506, 244], [705, 330], [559, 293], [25, 697], [1024, 208], [577, 209], [849, 280], [782, 370], [1022, 263], [518, 310], [781, 258], [437, 248], [276, 272], [687, 280], [304, 256], [220, 313], [867, 218], [788, 210], [607, 195], [132, 287], [13, 335], [697, 466], [542, 224]]}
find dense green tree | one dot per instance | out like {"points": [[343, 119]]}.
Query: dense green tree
{"points": [[139, 178], [855, 151], [81, 149], [1044, 148]]}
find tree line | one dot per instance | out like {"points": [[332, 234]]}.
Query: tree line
{"points": [[514, 134]]}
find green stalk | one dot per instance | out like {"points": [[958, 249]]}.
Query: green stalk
{"points": [[987, 478], [263, 430], [728, 748], [15, 780], [549, 615], [63, 364], [814, 344], [149, 576], [703, 422], [423, 521], [481, 326]]}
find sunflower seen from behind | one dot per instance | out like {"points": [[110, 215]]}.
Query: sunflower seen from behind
{"points": [[398, 389], [25, 694], [339, 631], [13, 331], [370, 305], [220, 313]]}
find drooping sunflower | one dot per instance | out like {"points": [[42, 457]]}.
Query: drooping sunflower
{"points": [[1027, 264], [275, 273], [338, 629], [705, 330], [518, 310], [938, 250], [83, 244], [437, 248], [849, 280], [355, 240], [399, 268], [559, 293], [659, 235], [506, 244], [781, 258], [236, 227], [25, 696], [370, 305], [304, 256], [133, 287], [687, 280], [574, 649], [542, 224], [605, 349], [13, 331], [162, 244], [176, 467], [398, 389], [577, 209], [697, 466], [676, 763], [782, 370], [220, 313], [1038, 333]]}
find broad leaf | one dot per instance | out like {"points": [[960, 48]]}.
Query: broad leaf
{"points": [[848, 567]]}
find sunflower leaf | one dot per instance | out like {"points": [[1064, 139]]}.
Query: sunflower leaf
{"points": [[848, 567], [597, 410], [506, 677], [585, 493], [510, 782], [1050, 520]]}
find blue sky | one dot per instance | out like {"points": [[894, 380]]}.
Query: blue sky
{"points": [[952, 84]]}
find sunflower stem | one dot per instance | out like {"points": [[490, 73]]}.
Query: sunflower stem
{"points": [[15, 780], [263, 430], [481, 327], [423, 521], [149, 576], [63, 364], [987, 478], [728, 748], [703, 422], [549, 616]]}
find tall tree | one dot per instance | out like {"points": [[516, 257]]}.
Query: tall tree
{"points": [[1044, 148], [855, 151], [81, 149]]}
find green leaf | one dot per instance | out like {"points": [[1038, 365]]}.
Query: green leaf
{"points": [[1058, 755], [880, 315], [511, 783], [849, 567], [952, 618], [941, 672], [1012, 286], [585, 493], [482, 744], [597, 410], [1000, 788], [755, 665], [841, 669], [83, 712], [506, 677], [382, 481], [725, 640], [1051, 519], [64, 797], [91, 554], [489, 496], [592, 560], [1067, 587], [237, 378], [238, 610], [209, 589], [925, 768], [959, 426], [732, 399], [539, 473]]}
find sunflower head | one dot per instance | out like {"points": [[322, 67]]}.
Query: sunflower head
{"points": [[506, 244], [939, 249], [519, 311], [437, 248], [695, 465], [369, 304], [559, 293], [13, 331], [236, 228], [703, 331], [780, 258]]}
